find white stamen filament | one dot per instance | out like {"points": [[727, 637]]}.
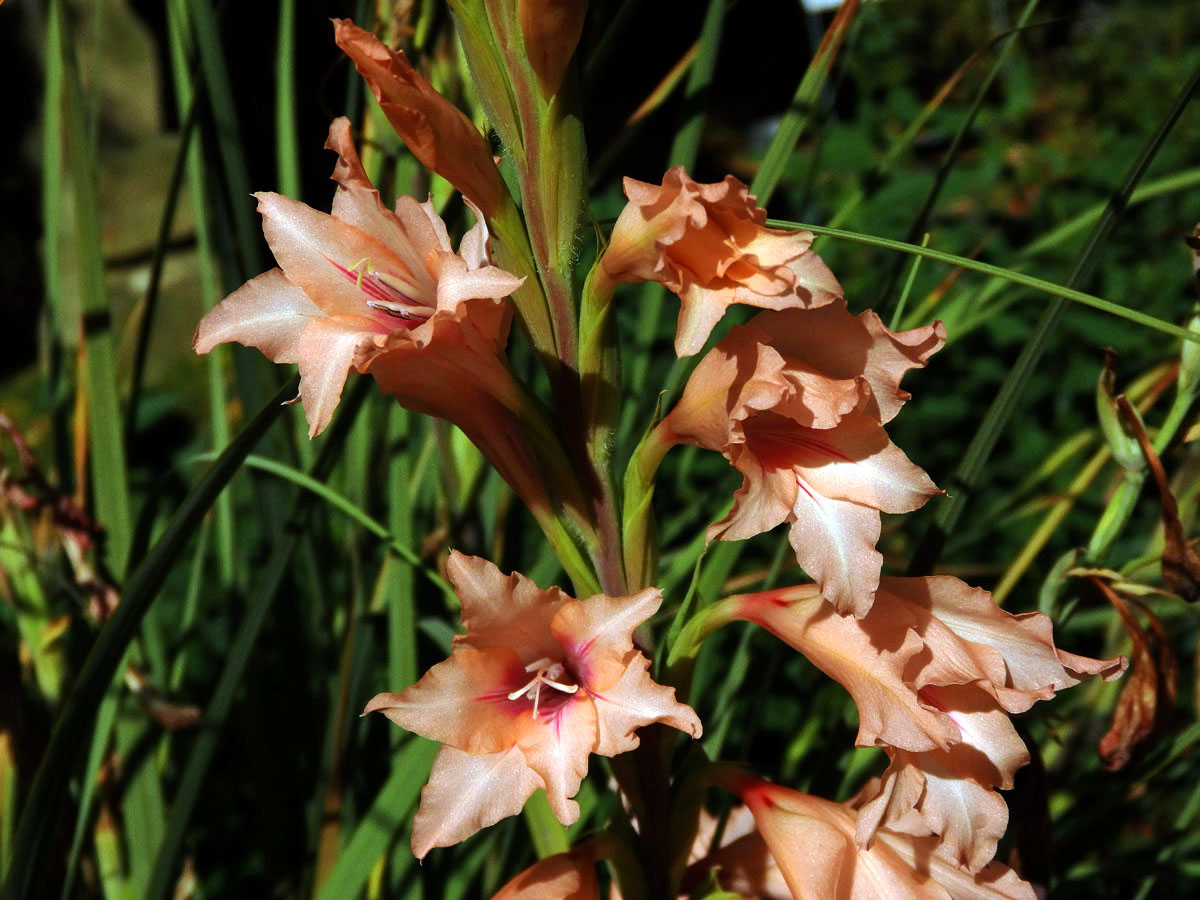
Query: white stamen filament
{"points": [[402, 310], [545, 672]]}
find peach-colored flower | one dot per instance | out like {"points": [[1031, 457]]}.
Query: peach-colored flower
{"points": [[934, 668], [366, 288], [563, 876], [434, 129], [538, 682], [796, 401], [707, 243], [813, 843], [978, 665]]}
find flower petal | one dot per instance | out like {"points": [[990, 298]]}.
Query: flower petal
{"points": [[468, 792], [831, 341], [557, 749], [433, 128], [327, 349], [739, 376], [325, 256], [834, 542], [596, 634], [501, 610], [267, 312], [1024, 642], [952, 789], [856, 461], [866, 656], [811, 840], [563, 876], [634, 701], [456, 282], [462, 701]]}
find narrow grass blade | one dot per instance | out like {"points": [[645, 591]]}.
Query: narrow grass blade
{"points": [[206, 43], [1005, 404], [350, 509], [188, 96], [287, 154], [804, 103], [218, 707], [921, 222], [1061, 293], [386, 817], [106, 718], [62, 755], [106, 445], [547, 833], [398, 580], [686, 145], [149, 304]]}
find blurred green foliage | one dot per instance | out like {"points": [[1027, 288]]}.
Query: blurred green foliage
{"points": [[300, 797]]}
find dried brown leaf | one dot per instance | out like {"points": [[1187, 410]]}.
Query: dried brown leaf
{"points": [[1180, 563]]}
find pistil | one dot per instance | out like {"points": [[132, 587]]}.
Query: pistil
{"points": [[546, 671]]}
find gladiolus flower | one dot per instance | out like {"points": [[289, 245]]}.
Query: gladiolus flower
{"points": [[365, 288], [813, 843], [434, 129], [934, 668], [707, 243], [538, 682], [796, 401]]}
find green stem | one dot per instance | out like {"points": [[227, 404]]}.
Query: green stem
{"points": [[600, 385], [640, 544]]}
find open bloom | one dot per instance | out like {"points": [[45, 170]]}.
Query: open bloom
{"points": [[935, 668], [812, 841], [707, 243], [434, 129], [538, 682], [365, 283], [796, 401]]}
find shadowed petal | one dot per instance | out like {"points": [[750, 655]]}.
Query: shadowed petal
{"points": [[952, 789], [866, 656], [468, 792], [812, 841], [830, 340], [740, 375], [765, 499], [563, 876], [326, 350], [856, 461]]}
